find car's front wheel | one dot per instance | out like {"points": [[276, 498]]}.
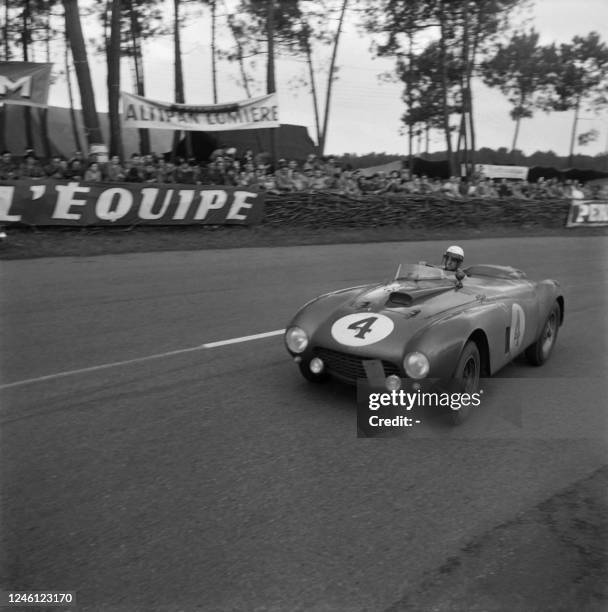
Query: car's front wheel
{"points": [[541, 350], [466, 379]]}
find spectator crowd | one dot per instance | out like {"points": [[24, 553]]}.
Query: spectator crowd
{"points": [[254, 171]]}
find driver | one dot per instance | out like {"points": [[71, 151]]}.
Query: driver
{"points": [[452, 258]]}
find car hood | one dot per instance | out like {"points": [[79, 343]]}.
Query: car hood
{"points": [[407, 299], [411, 306]]}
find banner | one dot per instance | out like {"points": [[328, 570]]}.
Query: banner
{"points": [[494, 171], [588, 213], [254, 113], [24, 83], [47, 202]]}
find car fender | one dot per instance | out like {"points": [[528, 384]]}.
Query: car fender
{"points": [[444, 339], [548, 292], [322, 306]]}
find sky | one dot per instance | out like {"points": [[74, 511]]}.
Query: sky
{"points": [[365, 111]]}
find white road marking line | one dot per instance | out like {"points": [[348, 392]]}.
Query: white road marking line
{"points": [[104, 366], [276, 332]]}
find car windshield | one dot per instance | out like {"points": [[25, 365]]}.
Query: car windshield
{"points": [[418, 272]]}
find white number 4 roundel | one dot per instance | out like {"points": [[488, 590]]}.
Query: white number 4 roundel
{"points": [[361, 329]]}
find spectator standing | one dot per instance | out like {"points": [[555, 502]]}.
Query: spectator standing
{"points": [[93, 173], [244, 179], [451, 188], [8, 167], [518, 191], [347, 183], [184, 173], [53, 167], [113, 170], [393, 184], [75, 170], [282, 176], [269, 183], [311, 163], [425, 185], [78, 157], [166, 172], [247, 174], [247, 158], [215, 175], [576, 191], [30, 168], [134, 170], [150, 173], [319, 181], [504, 191]]}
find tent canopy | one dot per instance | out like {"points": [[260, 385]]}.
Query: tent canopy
{"points": [[293, 141]]}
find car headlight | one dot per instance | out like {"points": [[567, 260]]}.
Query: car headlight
{"points": [[296, 339], [416, 365]]}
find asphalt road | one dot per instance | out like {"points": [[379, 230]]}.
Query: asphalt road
{"points": [[217, 478]]}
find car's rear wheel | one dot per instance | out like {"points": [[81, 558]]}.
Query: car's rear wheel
{"points": [[539, 352], [466, 379], [311, 376]]}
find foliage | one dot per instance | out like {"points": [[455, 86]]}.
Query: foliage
{"points": [[581, 75], [485, 155], [140, 19], [522, 70]]}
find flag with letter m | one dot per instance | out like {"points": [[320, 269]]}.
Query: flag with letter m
{"points": [[25, 83]]}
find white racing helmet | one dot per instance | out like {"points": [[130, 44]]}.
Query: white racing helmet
{"points": [[453, 252]]}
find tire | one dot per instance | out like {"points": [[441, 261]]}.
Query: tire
{"points": [[539, 352], [466, 379], [310, 376]]}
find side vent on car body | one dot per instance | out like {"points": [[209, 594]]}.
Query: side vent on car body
{"points": [[507, 339]]}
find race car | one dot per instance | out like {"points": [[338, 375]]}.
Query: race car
{"points": [[427, 323]]}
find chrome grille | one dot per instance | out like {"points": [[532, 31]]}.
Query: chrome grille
{"points": [[349, 367]]}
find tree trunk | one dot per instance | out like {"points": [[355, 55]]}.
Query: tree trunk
{"points": [[7, 48], [330, 78], [25, 36], [213, 64], [464, 85], [410, 102], [3, 128], [47, 35], [44, 112], [113, 80], [105, 25], [144, 135], [270, 76], [240, 59], [444, 86], [573, 135], [68, 76], [461, 133], [516, 134], [470, 94], [81, 63], [313, 91], [178, 71], [244, 77]]}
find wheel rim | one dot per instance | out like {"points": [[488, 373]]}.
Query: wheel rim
{"points": [[549, 335], [470, 375]]}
